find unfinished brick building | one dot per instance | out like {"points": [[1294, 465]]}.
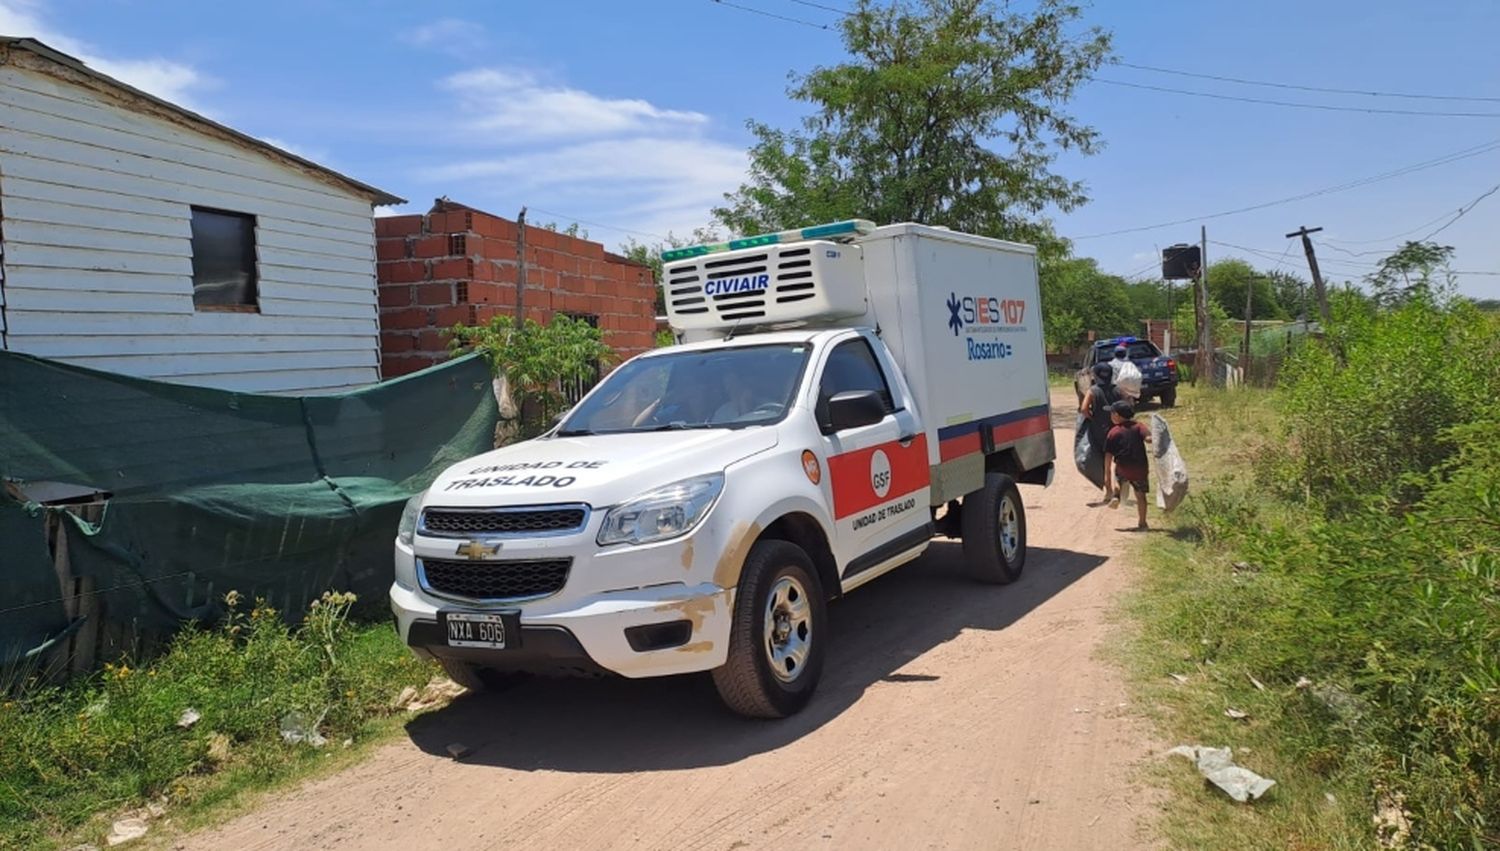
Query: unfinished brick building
{"points": [[457, 264]]}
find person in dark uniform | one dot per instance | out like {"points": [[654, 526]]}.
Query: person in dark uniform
{"points": [[1095, 409]]}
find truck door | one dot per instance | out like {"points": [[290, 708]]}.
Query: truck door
{"points": [[878, 473]]}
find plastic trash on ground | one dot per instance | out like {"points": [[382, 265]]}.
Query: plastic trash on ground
{"points": [[1217, 767], [297, 727]]}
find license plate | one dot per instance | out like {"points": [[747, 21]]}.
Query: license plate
{"points": [[474, 629]]}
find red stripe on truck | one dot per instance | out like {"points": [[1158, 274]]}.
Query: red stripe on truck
{"points": [[853, 475], [1021, 428], [957, 447]]}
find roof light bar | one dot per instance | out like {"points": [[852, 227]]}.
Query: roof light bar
{"points": [[850, 228]]}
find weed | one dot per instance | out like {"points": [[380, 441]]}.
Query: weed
{"points": [[1384, 606], [114, 739]]}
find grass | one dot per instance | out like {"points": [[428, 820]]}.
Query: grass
{"points": [[1389, 615], [75, 757], [1191, 600]]}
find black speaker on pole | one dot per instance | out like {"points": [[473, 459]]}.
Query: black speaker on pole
{"points": [[1180, 262]]}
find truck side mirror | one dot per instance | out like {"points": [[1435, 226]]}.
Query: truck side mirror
{"points": [[852, 409]]}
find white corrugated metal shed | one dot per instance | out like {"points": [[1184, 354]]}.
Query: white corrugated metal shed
{"points": [[98, 188]]}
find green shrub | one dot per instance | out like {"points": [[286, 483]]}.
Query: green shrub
{"points": [[1388, 603], [1371, 404], [113, 739]]}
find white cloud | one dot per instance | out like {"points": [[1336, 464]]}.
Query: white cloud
{"points": [[517, 106], [615, 163], [647, 183], [450, 35], [167, 79]]}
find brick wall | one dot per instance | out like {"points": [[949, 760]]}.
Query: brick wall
{"points": [[457, 264]]}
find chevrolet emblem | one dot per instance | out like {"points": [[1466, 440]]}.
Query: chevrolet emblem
{"points": [[476, 550]]}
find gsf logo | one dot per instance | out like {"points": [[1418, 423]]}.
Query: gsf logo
{"points": [[880, 473]]}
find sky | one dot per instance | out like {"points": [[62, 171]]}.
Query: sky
{"points": [[629, 118]]}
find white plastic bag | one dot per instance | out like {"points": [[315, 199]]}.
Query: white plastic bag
{"points": [[1171, 471], [1127, 378]]}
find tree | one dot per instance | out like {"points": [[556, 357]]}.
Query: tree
{"points": [[908, 128], [574, 230], [1063, 331], [650, 255], [1293, 293], [535, 359], [1185, 323], [1414, 268], [1227, 281], [1148, 299], [1077, 298]]}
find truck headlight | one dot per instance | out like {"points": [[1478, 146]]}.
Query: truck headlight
{"points": [[667, 512], [408, 528]]}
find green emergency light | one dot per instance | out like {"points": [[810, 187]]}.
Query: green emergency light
{"points": [[849, 228]]}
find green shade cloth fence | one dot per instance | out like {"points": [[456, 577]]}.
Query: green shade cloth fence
{"points": [[280, 497]]}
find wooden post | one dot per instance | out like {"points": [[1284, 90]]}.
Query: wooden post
{"points": [[1249, 291], [1312, 264], [1204, 362], [521, 270]]}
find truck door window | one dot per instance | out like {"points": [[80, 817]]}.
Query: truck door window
{"points": [[852, 366]]}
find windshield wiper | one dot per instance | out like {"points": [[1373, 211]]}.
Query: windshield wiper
{"points": [[672, 426], [575, 432]]}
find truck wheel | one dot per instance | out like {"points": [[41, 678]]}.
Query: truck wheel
{"points": [[477, 679], [776, 640], [994, 531], [1169, 398]]}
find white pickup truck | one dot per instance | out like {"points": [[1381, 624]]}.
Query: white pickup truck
{"points": [[841, 395]]}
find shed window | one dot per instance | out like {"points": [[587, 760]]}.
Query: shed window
{"points": [[223, 260]]}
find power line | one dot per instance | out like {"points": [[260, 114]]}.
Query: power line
{"points": [[1325, 89], [1432, 221], [598, 224], [1327, 190], [1294, 104], [1461, 210], [1450, 217], [786, 18], [1282, 261], [845, 12]]}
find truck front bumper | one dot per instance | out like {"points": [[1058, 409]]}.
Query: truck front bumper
{"points": [[650, 631]]}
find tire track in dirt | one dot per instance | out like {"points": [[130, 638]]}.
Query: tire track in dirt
{"points": [[951, 715]]}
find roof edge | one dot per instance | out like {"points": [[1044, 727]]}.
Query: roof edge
{"points": [[378, 197]]}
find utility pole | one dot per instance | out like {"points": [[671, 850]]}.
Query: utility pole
{"points": [[1312, 264], [521, 272], [1204, 363]]}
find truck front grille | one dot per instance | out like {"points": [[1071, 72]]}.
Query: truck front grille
{"points": [[496, 580], [457, 522]]}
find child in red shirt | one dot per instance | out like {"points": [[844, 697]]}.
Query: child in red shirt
{"points": [[1125, 451]]}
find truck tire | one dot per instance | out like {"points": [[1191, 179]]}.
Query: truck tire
{"points": [[1169, 398], [994, 531], [777, 636]]}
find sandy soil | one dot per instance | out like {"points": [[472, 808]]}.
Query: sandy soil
{"points": [[951, 715]]}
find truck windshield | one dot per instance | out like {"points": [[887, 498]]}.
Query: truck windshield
{"points": [[708, 388]]}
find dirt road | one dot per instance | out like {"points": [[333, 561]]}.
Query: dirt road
{"points": [[951, 715]]}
